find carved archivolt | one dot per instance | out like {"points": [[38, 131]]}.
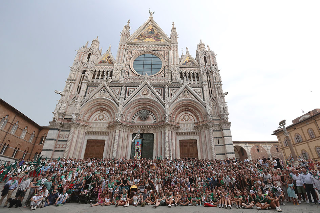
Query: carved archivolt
{"points": [[190, 107], [142, 108], [98, 110]]}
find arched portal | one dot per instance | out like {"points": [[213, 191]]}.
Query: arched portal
{"points": [[240, 153]]}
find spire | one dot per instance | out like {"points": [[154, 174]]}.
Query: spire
{"points": [[174, 34], [187, 51], [95, 43], [125, 32], [201, 46]]}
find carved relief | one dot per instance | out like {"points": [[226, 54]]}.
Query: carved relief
{"points": [[90, 90], [199, 92], [100, 116], [173, 91], [130, 90], [116, 91], [159, 91], [63, 135]]}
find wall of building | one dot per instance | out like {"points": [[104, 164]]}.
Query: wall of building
{"points": [[14, 144], [254, 150], [309, 144]]}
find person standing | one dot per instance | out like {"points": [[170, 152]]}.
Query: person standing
{"points": [[308, 184], [299, 184], [12, 184]]}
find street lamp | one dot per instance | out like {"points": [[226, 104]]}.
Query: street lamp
{"points": [[282, 125]]}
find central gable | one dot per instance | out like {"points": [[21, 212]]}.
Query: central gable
{"points": [[149, 32]]}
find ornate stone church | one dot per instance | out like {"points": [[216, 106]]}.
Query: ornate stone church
{"points": [[173, 105]]}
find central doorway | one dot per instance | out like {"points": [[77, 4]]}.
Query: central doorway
{"points": [[188, 149], [94, 149], [146, 145]]}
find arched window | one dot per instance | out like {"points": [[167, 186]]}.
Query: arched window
{"points": [[24, 154], [31, 137], [80, 81], [305, 154], [43, 138], [3, 122], [3, 149], [14, 128], [318, 151], [311, 133], [298, 138], [258, 150], [24, 132], [15, 152], [36, 156], [285, 142]]}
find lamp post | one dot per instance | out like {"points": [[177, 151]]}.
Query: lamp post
{"points": [[282, 125]]}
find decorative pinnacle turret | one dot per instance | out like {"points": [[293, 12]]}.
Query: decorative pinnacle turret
{"points": [[201, 45]]}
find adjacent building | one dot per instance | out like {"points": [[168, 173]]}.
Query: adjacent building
{"points": [[304, 134], [20, 137], [254, 150], [173, 104]]}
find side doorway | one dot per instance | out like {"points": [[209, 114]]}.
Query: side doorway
{"points": [[188, 148]]}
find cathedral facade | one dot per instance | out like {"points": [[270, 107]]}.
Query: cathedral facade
{"points": [[174, 106]]}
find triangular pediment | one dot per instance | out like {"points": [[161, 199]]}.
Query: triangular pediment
{"points": [[149, 32], [102, 91], [186, 92], [188, 61], [106, 59], [145, 90]]}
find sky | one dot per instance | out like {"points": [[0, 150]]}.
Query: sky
{"points": [[267, 51]]}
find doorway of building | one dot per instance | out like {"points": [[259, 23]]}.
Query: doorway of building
{"points": [[94, 149], [188, 149], [146, 145]]}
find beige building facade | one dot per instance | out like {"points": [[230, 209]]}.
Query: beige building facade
{"points": [[304, 134]]}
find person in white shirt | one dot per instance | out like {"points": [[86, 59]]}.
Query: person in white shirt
{"points": [[299, 184], [35, 201], [308, 184]]}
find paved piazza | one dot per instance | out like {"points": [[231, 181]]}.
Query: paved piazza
{"points": [[74, 207]]}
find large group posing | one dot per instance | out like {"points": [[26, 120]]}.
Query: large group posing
{"points": [[261, 184]]}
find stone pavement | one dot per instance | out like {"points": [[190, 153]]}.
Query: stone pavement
{"points": [[74, 207]]}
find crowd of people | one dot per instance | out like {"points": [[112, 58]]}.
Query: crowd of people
{"points": [[261, 184]]}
